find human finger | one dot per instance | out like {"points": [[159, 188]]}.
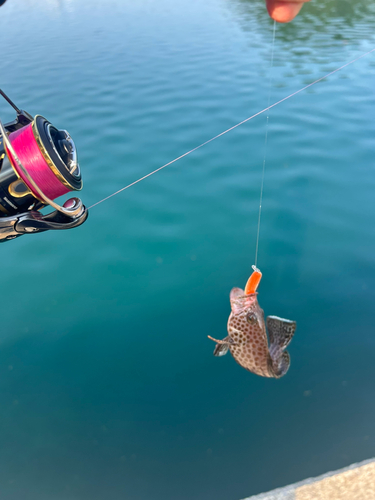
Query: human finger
{"points": [[284, 11]]}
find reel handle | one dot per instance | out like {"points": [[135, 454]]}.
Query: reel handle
{"points": [[34, 221]]}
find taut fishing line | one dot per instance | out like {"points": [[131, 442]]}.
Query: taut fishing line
{"points": [[233, 127], [265, 146]]}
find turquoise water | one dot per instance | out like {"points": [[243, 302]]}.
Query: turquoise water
{"points": [[108, 386]]}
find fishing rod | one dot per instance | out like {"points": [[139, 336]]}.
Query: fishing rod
{"points": [[38, 163]]}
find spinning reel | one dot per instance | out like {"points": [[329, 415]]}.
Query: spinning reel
{"points": [[38, 163]]}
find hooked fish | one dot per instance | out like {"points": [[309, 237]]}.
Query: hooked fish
{"points": [[247, 337]]}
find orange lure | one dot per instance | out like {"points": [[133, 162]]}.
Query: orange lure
{"points": [[253, 282]]}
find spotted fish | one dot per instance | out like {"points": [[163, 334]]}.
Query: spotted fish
{"points": [[247, 337]]}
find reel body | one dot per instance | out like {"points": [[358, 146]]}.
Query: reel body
{"points": [[38, 163]]}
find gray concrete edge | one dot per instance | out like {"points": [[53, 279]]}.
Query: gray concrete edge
{"points": [[287, 492]]}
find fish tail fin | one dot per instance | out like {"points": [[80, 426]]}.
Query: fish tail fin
{"points": [[280, 333], [281, 365], [221, 347]]}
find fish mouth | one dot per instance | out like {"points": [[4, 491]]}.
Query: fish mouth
{"points": [[253, 282]]}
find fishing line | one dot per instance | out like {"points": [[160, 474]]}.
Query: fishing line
{"points": [[265, 146], [234, 126]]}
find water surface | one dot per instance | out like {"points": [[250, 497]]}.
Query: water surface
{"points": [[108, 386]]}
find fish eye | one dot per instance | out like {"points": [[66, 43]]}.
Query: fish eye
{"points": [[251, 318]]}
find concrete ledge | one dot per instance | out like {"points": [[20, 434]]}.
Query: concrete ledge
{"points": [[356, 482]]}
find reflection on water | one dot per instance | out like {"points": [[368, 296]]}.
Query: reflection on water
{"points": [[319, 33]]}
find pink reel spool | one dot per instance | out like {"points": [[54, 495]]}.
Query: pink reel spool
{"points": [[36, 162]]}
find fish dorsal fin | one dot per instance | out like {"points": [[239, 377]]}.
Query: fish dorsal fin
{"points": [[280, 332], [281, 365]]}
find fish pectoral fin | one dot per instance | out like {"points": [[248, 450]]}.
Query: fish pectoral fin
{"points": [[222, 346], [221, 349], [281, 365], [280, 332]]}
